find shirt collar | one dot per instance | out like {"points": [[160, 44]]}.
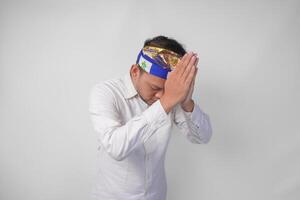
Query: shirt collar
{"points": [[130, 90]]}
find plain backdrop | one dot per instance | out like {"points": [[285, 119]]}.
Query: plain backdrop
{"points": [[53, 52]]}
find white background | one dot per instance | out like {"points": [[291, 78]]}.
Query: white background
{"points": [[53, 52]]}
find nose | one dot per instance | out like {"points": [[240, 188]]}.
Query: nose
{"points": [[159, 94]]}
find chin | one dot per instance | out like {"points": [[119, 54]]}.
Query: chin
{"points": [[151, 102]]}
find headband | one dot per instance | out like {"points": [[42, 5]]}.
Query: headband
{"points": [[157, 61]]}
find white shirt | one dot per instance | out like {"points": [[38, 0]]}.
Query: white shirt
{"points": [[133, 139]]}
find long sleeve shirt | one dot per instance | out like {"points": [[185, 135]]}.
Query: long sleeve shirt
{"points": [[133, 138]]}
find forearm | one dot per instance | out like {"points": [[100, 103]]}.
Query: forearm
{"points": [[119, 140]]}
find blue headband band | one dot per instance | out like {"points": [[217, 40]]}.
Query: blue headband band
{"points": [[149, 65]]}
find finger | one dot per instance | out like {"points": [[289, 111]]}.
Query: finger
{"points": [[193, 82], [196, 71], [190, 76], [184, 57], [186, 71], [184, 63], [192, 88], [189, 67], [179, 64], [194, 78], [188, 58], [192, 62], [195, 74], [197, 61]]}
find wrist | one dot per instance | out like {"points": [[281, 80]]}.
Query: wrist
{"points": [[166, 104], [188, 106]]}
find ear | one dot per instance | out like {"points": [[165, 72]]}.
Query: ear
{"points": [[135, 71]]}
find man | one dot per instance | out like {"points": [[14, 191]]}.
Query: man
{"points": [[133, 116]]}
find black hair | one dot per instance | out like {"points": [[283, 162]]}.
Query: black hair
{"points": [[166, 43]]}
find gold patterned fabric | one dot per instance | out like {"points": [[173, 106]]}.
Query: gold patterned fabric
{"points": [[165, 58]]}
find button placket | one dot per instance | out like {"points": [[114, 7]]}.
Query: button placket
{"points": [[147, 174]]}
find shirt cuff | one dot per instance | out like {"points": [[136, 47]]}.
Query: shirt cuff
{"points": [[197, 115]]}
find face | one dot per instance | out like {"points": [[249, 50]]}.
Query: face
{"points": [[149, 87]]}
